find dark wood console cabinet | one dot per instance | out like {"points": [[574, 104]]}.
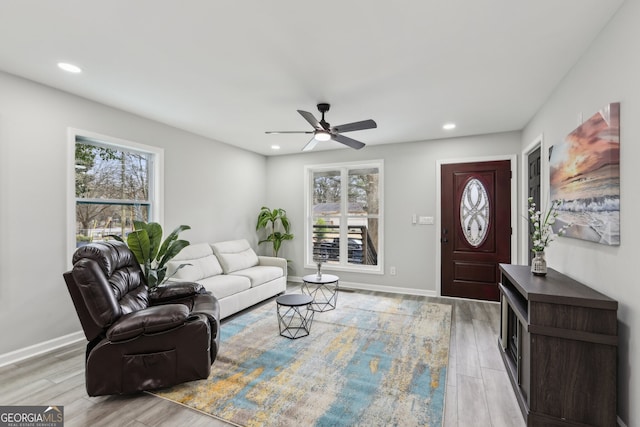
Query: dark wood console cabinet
{"points": [[559, 344]]}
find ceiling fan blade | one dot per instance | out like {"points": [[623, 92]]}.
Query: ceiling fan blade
{"points": [[311, 119], [288, 131], [310, 145], [350, 127], [348, 141]]}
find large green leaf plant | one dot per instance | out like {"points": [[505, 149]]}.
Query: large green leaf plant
{"points": [[277, 226], [144, 242]]}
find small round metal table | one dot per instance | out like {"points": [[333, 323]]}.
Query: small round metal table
{"points": [[294, 315], [323, 289]]}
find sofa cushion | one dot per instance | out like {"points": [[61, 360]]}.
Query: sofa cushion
{"points": [[223, 285], [235, 255], [203, 264], [259, 274]]}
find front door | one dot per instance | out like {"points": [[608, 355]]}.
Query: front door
{"points": [[476, 227]]}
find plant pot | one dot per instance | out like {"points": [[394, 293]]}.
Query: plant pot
{"points": [[539, 264]]}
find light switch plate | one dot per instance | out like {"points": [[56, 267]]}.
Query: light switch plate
{"points": [[425, 220]]}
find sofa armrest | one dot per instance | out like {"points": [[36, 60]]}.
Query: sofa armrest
{"points": [[274, 262], [174, 291], [150, 320]]}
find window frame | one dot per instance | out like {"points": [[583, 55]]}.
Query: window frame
{"points": [[156, 181], [344, 168]]}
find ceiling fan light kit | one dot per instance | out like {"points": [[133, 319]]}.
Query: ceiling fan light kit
{"points": [[324, 132], [321, 135]]}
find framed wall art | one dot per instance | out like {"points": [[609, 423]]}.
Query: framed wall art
{"points": [[585, 176]]}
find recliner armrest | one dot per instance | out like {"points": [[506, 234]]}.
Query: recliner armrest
{"points": [[174, 291], [150, 320]]}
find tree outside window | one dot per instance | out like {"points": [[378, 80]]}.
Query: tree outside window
{"points": [[112, 188]]}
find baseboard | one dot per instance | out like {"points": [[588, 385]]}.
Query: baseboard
{"points": [[621, 423], [36, 349], [376, 288]]}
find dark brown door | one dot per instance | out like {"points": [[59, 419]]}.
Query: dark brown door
{"points": [[476, 227], [534, 188]]}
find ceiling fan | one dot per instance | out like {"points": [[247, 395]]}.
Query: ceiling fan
{"points": [[324, 132]]}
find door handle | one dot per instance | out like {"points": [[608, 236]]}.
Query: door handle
{"points": [[444, 240]]}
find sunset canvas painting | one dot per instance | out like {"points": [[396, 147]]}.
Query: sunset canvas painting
{"points": [[585, 175]]}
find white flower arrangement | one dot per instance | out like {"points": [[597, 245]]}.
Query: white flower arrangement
{"points": [[543, 234]]}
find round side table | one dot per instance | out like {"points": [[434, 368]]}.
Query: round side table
{"points": [[295, 315], [323, 289]]}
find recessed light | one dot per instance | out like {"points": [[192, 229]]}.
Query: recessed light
{"points": [[275, 147], [69, 67], [449, 126]]}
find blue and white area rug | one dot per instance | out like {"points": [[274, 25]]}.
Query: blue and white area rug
{"points": [[376, 360]]}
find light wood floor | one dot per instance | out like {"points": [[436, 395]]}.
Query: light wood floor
{"points": [[478, 390]]}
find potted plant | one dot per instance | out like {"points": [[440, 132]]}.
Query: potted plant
{"points": [[542, 234], [145, 244], [276, 224]]}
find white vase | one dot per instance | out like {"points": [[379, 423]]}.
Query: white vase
{"points": [[539, 264]]}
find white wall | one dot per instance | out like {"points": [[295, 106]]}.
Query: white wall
{"points": [[608, 72], [213, 187], [409, 187]]}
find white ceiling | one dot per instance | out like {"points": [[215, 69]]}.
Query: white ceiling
{"points": [[231, 70]]}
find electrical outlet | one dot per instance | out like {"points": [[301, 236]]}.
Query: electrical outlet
{"points": [[392, 271]]}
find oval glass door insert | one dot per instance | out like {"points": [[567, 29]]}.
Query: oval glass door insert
{"points": [[474, 212]]}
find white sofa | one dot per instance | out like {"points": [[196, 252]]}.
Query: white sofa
{"points": [[232, 272]]}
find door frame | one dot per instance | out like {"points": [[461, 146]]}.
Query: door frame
{"points": [[514, 197], [538, 141]]}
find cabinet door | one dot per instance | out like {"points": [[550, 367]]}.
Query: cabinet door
{"points": [[573, 380]]}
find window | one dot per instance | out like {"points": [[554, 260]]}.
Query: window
{"points": [[344, 216], [115, 183]]}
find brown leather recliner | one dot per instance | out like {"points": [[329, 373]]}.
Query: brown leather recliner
{"points": [[139, 339]]}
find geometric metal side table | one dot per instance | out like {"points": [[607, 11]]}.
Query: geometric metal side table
{"points": [[294, 315], [323, 289]]}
